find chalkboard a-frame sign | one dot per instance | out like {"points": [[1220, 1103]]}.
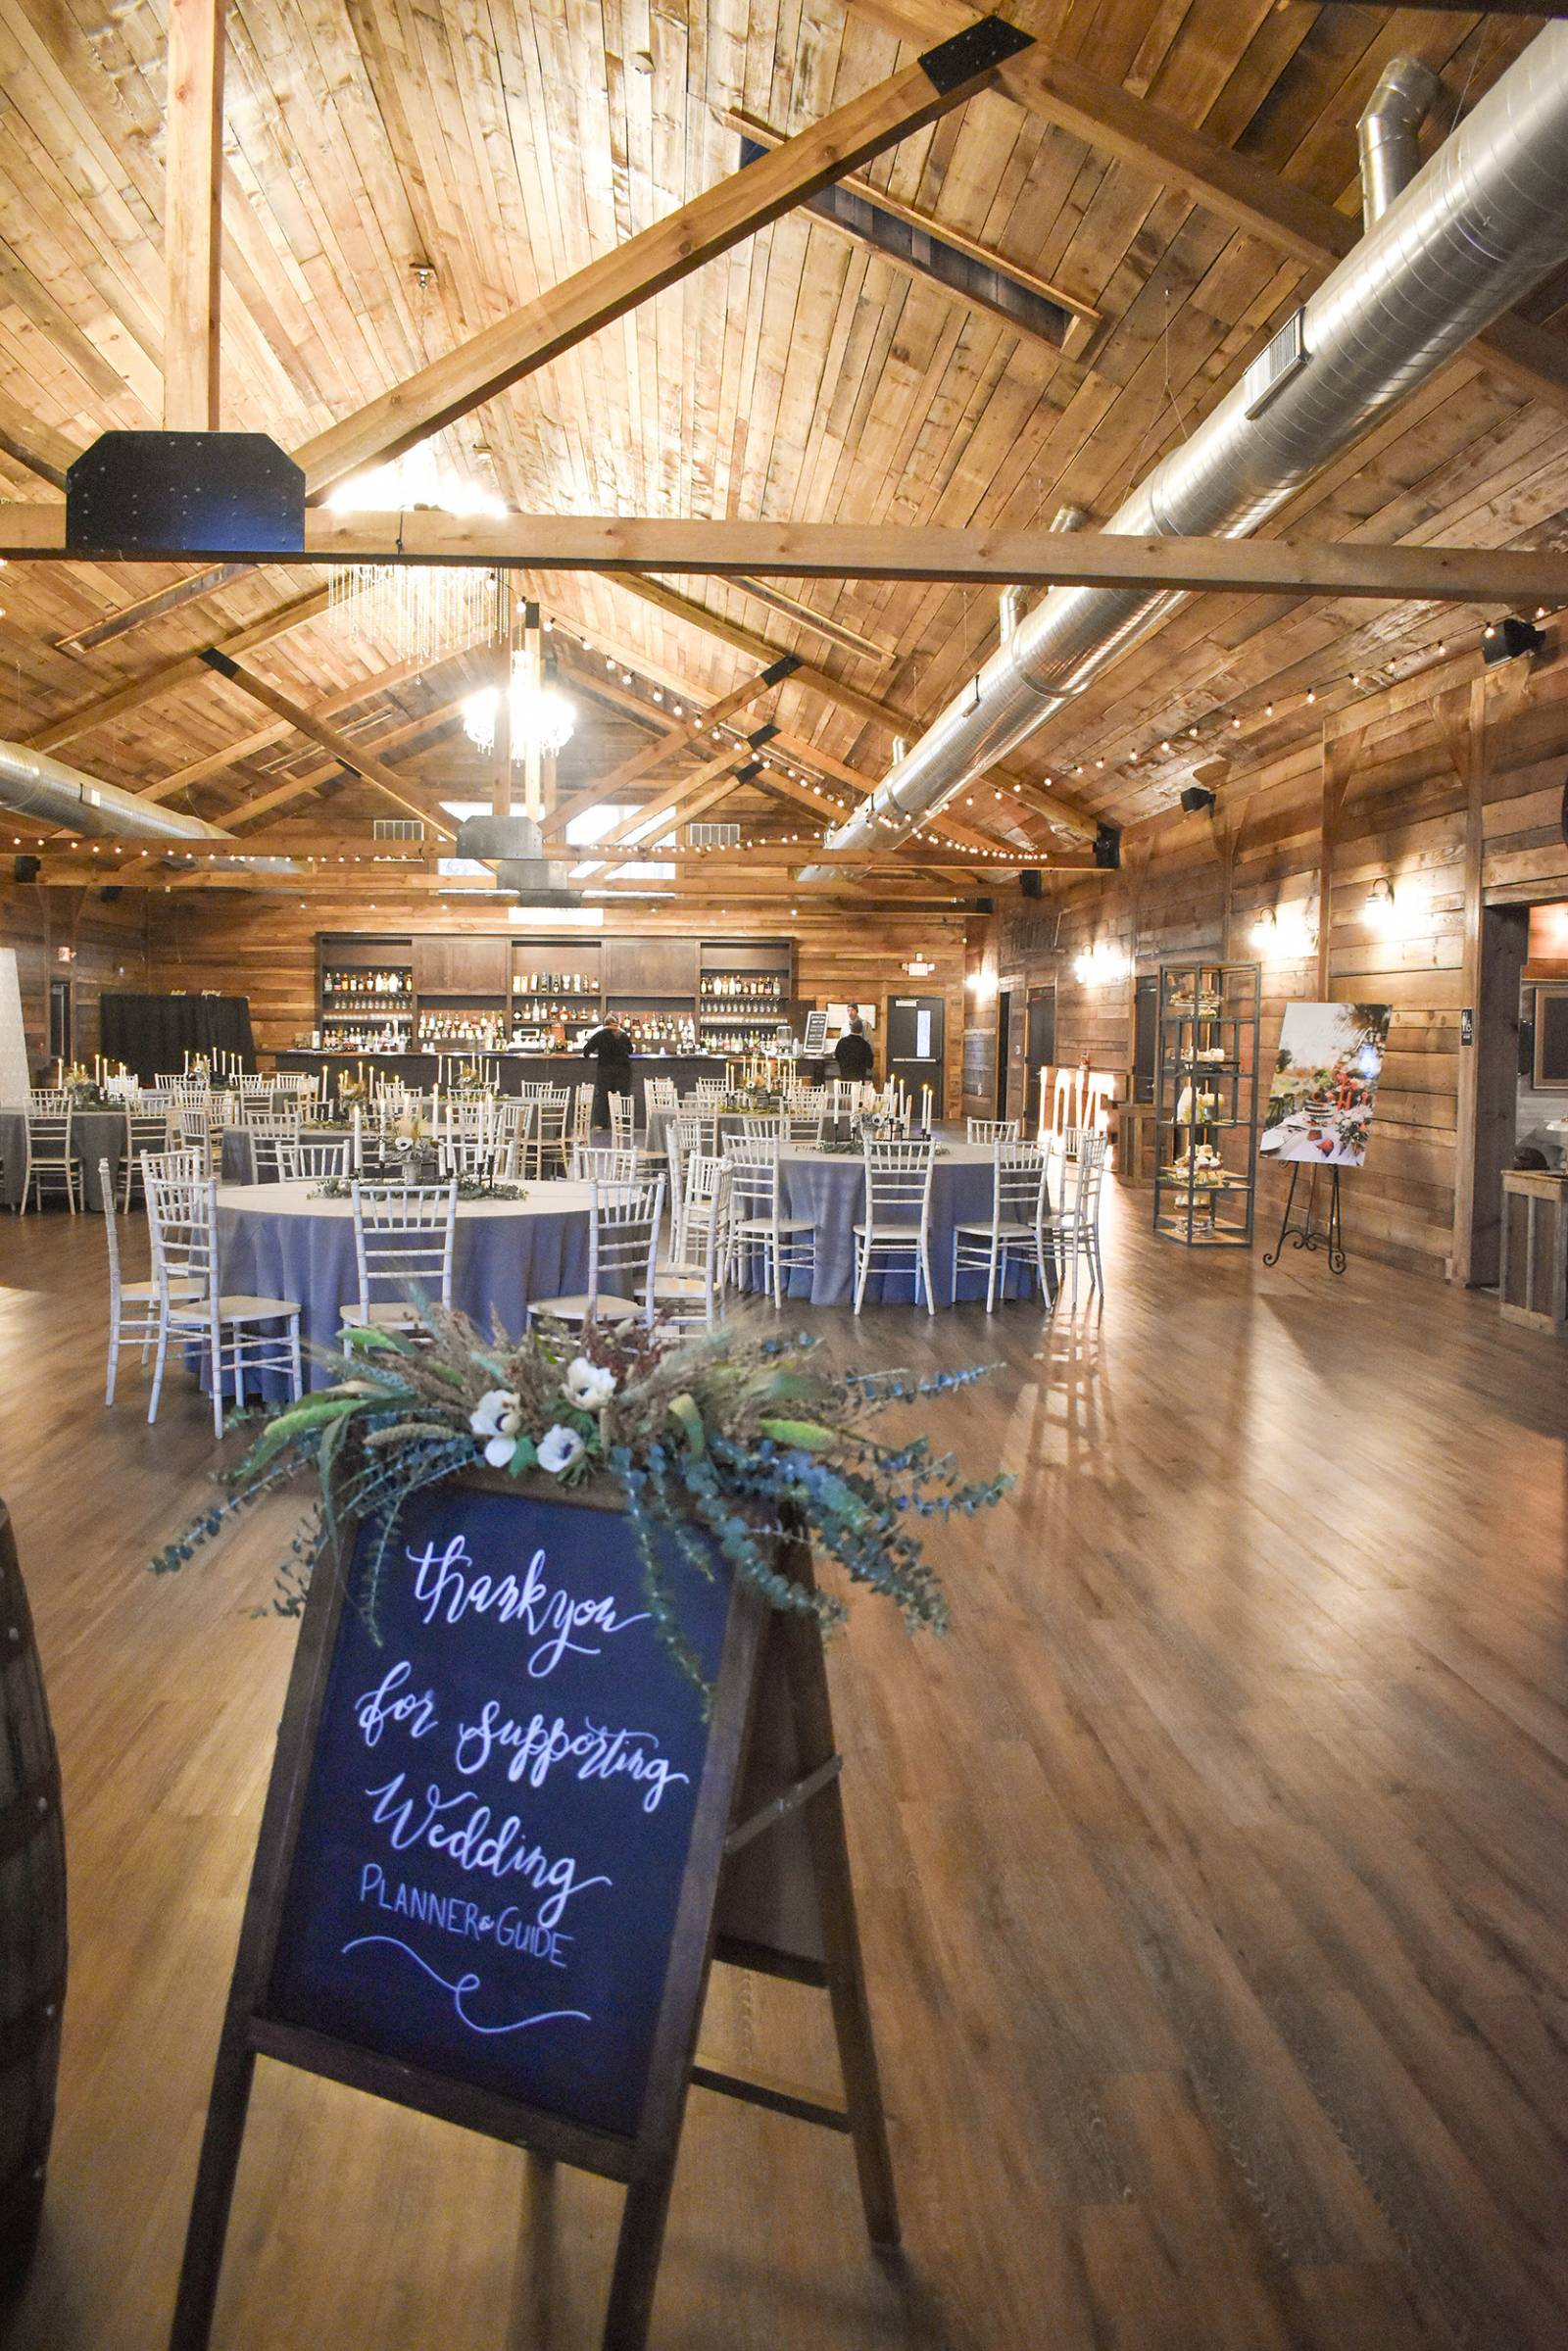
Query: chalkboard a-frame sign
{"points": [[501, 1847]]}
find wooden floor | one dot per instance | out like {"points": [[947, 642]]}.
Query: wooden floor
{"points": [[1215, 1871]]}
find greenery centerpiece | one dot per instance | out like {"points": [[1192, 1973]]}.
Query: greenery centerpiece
{"points": [[85, 1093], [739, 1438]]}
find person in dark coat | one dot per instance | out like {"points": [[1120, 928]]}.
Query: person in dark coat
{"points": [[852, 1052], [611, 1047]]}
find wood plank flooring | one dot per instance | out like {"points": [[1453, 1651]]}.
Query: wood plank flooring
{"points": [[1214, 1872]]}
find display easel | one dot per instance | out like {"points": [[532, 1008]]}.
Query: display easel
{"points": [[766, 1887], [1310, 1231]]}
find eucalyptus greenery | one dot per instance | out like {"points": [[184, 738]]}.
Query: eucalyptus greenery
{"points": [[469, 1187], [721, 1441]]}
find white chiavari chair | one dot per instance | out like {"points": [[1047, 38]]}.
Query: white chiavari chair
{"points": [[660, 1094], [760, 1225], [314, 1159], [708, 1092], [48, 1100], [898, 1215], [582, 1115], [623, 1221], [602, 1164], [148, 1134], [689, 1292], [49, 1163], [482, 1155], [677, 1150], [764, 1126], [235, 1330], [267, 1139], [1020, 1207], [697, 1126], [133, 1306], [806, 1109], [622, 1120], [545, 1146], [993, 1130], [1072, 1228], [405, 1236]]}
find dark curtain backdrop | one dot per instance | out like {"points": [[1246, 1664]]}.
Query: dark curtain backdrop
{"points": [[151, 1033]]}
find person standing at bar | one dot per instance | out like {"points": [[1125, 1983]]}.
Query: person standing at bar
{"points": [[852, 1052], [611, 1047]]}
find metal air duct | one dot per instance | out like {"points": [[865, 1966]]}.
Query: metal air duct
{"points": [[36, 784], [1386, 134], [1477, 227]]}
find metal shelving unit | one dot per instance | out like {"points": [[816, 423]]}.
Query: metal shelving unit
{"points": [[1205, 1104]]}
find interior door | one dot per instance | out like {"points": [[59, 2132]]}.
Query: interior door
{"points": [[1004, 1034], [1042, 1045], [916, 1043]]}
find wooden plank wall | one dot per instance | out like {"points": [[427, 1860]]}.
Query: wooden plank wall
{"points": [[1198, 885], [266, 947], [111, 953]]}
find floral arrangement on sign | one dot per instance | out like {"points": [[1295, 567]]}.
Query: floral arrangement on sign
{"points": [[743, 1438]]}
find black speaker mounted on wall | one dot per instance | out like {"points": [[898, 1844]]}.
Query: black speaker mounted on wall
{"points": [[25, 869], [1107, 848], [1505, 640], [1196, 800], [110, 893], [1030, 883]]}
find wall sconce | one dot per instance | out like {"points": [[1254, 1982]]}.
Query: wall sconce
{"points": [[1285, 934], [1379, 910], [1100, 965], [919, 967]]}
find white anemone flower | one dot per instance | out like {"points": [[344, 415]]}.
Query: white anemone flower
{"points": [[497, 1418], [558, 1448], [589, 1386]]}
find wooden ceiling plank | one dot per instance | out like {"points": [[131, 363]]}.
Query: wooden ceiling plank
{"points": [[1149, 140], [618, 280], [186, 670]]}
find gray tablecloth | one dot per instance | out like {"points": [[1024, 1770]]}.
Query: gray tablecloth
{"points": [[830, 1189], [239, 1161], [277, 1240], [94, 1135]]}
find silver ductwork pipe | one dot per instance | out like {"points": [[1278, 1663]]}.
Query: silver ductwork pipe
{"points": [[1389, 134], [36, 784], [1478, 226]]}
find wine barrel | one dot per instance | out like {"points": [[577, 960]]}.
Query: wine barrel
{"points": [[32, 1922]]}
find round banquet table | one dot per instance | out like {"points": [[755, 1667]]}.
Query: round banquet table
{"points": [[279, 1240], [94, 1135], [829, 1188]]}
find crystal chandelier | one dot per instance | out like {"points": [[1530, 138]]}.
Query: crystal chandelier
{"points": [[542, 717], [422, 612]]}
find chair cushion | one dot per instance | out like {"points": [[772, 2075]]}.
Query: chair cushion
{"points": [[1006, 1231], [765, 1224]]}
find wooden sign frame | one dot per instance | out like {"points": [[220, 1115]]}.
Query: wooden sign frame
{"points": [[766, 1887]]}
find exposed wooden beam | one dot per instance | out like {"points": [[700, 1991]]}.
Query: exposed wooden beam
{"points": [[817, 625], [156, 607], [214, 762], [681, 802], [187, 668], [1148, 140], [628, 547], [1083, 319], [680, 733], [342, 747], [193, 178], [37, 447], [661, 256]]}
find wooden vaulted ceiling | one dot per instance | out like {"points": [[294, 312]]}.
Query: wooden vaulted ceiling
{"points": [[397, 177]]}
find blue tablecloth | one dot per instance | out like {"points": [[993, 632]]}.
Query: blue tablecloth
{"points": [[278, 1241], [829, 1188], [94, 1135]]}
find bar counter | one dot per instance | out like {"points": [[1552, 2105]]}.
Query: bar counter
{"points": [[515, 1070]]}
